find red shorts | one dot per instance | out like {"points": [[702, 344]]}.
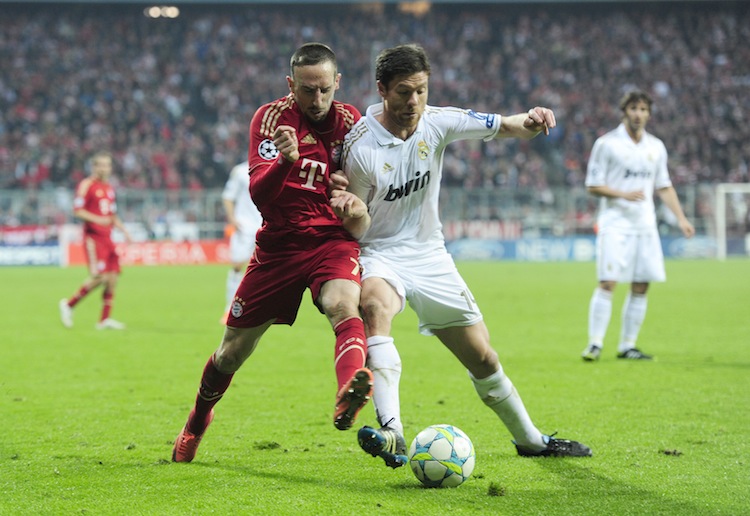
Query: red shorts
{"points": [[274, 282], [101, 254]]}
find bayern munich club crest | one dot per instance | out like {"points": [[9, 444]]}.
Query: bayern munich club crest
{"points": [[237, 307], [267, 150]]}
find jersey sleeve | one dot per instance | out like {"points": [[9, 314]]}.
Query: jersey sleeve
{"points": [[355, 170], [467, 124], [79, 201], [596, 170], [662, 179], [267, 167]]}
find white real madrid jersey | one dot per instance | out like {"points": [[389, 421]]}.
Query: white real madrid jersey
{"points": [[620, 163], [237, 190], [400, 180]]}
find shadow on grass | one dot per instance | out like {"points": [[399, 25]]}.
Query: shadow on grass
{"points": [[609, 495]]}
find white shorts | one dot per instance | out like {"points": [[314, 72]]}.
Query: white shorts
{"points": [[435, 290], [629, 257], [241, 246]]}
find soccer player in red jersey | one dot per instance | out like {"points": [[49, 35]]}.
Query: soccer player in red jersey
{"points": [[307, 241], [95, 205]]}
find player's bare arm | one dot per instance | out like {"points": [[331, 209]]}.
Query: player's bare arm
{"points": [[352, 210], [669, 197], [527, 125], [605, 191], [87, 216], [285, 140]]}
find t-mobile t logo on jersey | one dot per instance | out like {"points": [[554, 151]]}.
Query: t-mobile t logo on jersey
{"points": [[412, 185], [312, 171]]}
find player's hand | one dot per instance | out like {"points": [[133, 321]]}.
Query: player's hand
{"points": [[337, 181], [540, 119], [347, 205], [636, 195], [687, 228], [285, 140]]}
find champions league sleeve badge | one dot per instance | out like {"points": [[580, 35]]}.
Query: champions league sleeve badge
{"points": [[267, 150]]}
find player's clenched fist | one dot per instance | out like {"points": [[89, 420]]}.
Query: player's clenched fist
{"points": [[285, 140]]}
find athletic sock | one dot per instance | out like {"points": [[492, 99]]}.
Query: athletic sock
{"points": [[498, 393], [214, 384], [107, 298], [73, 301], [233, 282], [351, 349], [600, 312], [633, 314], [385, 363]]}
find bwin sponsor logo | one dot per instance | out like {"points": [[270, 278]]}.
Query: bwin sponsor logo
{"points": [[645, 174], [412, 185]]}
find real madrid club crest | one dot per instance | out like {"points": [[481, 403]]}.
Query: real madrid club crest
{"points": [[267, 150], [423, 150]]}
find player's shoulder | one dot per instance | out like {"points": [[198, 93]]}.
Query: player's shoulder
{"points": [[272, 114], [84, 185], [348, 113]]}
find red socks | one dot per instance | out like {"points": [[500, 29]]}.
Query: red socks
{"points": [[351, 349], [214, 384]]}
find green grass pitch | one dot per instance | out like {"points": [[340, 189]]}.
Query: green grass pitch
{"points": [[88, 418]]}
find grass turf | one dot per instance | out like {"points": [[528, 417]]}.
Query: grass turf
{"points": [[89, 417]]}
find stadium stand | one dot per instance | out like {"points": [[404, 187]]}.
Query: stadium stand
{"points": [[172, 98]]}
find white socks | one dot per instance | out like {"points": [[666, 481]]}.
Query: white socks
{"points": [[633, 314], [498, 393], [600, 311], [385, 363]]}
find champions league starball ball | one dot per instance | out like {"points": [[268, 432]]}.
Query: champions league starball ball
{"points": [[442, 456]]}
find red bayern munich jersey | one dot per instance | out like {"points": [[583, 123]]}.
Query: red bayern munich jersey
{"points": [[98, 198], [293, 198]]}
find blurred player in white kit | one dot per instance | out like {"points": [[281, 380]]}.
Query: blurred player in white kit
{"points": [[626, 167], [243, 221]]}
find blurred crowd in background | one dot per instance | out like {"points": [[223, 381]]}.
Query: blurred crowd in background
{"points": [[172, 98]]}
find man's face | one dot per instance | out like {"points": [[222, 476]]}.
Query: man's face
{"points": [[101, 167], [637, 115], [313, 87], [404, 100]]}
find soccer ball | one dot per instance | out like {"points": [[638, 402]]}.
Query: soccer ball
{"points": [[442, 456]]}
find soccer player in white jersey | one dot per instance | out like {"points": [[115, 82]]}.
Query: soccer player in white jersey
{"points": [[626, 166], [393, 161], [243, 221]]}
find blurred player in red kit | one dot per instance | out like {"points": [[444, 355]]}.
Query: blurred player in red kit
{"points": [[95, 205], [308, 240]]}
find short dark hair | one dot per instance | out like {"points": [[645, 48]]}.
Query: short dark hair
{"points": [[401, 60], [311, 54], [635, 96]]}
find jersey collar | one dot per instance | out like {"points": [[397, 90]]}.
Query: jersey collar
{"points": [[382, 135]]}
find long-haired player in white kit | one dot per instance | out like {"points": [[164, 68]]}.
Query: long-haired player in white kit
{"points": [[243, 221], [393, 159], [625, 168]]}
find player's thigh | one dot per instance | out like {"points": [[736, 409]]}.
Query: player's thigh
{"points": [[241, 246], [383, 288], [268, 290], [650, 259], [442, 300], [332, 260], [615, 256], [339, 299]]}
